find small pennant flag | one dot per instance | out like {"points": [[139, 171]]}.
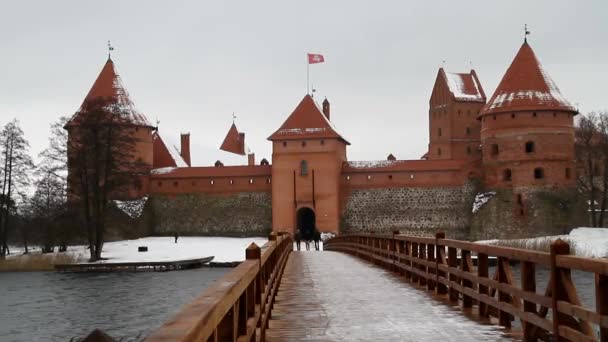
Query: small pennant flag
{"points": [[314, 58]]}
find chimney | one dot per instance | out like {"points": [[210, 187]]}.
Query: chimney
{"points": [[242, 143], [185, 147], [251, 159], [326, 108]]}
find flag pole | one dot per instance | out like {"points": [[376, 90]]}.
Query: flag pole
{"points": [[307, 75]]}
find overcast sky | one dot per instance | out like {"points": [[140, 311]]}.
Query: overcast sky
{"points": [[190, 64]]}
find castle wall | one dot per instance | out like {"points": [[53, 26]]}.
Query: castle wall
{"points": [[411, 210], [526, 212], [237, 214]]}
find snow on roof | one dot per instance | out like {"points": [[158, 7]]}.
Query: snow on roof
{"points": [[464, 87], [163, 170], [371, 164], [177, 157]]}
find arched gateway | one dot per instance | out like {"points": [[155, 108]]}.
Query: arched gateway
{"points": [[306, 223]]}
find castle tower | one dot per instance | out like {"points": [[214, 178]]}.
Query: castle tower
{"points": [[455, 103], [307, 157], [527, 131], [108, 88]]}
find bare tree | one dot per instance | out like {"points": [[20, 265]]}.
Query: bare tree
{"points": [[15, 175], [102, 164]]}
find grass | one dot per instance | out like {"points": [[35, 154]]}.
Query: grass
{"points": [[36, 261]]}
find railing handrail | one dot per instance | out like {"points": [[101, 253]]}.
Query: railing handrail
{"points": [[445, 266], [238, 304]]}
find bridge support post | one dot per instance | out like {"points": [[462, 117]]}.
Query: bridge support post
{"points": [[440, 260], [528, 283], [430, 256], [601, 301], [453, 263], [482, 272], [422, 267]]}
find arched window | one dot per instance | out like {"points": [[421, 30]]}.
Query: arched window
{"points": [[439, 131], [567, 173], [506, 175], [530, 147], [468, 130], [494, 150], [303, 168], [439, 151], [539, 173], [468, 149]]}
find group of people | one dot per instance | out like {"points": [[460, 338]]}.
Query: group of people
{"points": [[315, 236]]}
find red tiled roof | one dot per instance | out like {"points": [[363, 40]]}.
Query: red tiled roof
{"points": [[465, 87], [108, 87], [306, 121], [234, 142], [526, 86], [163, 156]]}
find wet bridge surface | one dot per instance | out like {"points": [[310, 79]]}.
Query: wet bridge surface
{"points": [[332, 296]]}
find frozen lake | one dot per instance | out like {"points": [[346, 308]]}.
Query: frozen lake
{"points": [[47, 306]]}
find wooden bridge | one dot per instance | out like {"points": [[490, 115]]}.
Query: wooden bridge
{"points": [[370, 287]]}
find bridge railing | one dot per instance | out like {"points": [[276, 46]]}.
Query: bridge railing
{"points": [[446, 267], [236, 307]]}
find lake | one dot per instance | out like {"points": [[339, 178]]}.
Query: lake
{"points": [[49, 306]]}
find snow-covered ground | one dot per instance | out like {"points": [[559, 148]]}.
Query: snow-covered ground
{"points": [[584, 241], [223, 249]]}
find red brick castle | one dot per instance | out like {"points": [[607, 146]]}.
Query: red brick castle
{"points": [[516, 150]]}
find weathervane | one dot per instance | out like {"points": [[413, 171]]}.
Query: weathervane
{"points": [[110, 49], [443, 63], [233, 117], [526, 32]]}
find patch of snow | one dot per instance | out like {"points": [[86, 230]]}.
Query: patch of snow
{"points": [[481, 199], [302, 130], [371, 164], [132, 208], [457, 87], [177, 157], [327, 236], [163, 170], [187, 247]]}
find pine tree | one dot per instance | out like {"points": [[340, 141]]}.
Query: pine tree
{"points": [[101, 164], [15, 176]]}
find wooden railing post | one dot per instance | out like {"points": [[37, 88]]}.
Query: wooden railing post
{"points": [[466, 265], [254, 252], [453, 263], [482, 272], [439, 259], [422, 257], [528, 283], [430, 256], [601, 301], [558, 247], [414, 256], [394, 256], [408, 252]]}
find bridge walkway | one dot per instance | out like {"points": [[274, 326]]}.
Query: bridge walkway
{"points": [[331, 296]]}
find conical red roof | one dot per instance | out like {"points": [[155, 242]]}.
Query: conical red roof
{"points": [[306, 121], [234, 141], [109, 87], [526, 86]]}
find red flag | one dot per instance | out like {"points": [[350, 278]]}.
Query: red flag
{"points": [[314, 58]]}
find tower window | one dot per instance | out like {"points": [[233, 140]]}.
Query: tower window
{"points": [[512, 115], [554, 114], [439, 131], [322, 142], [160, 184], [267, 180], [468, 150], [211, 182], [539, 173], [175, 183], [459, 112], [303, 143], [347, 178], [506, 175], [231, 181], [250, 180], [303, 168], [494, 116], [284, 143], [494, 150], [439, 151], [468, 130], [519, 199], [390, 176], [533, 114], [369, 177], [529, 146], [567, 173]]}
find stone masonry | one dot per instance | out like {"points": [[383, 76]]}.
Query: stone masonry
{"points": [[239, 214], [413, 211]]}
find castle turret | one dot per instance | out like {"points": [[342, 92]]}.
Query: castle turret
{"points": [[109, 92], [455, 103], [307, 158], [527, 131]]}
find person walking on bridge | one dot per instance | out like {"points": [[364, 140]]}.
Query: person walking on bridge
{"points": [[298, 238], [317, 238]]}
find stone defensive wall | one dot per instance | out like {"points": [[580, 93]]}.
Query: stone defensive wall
{"points": [[417, 197], [226, 200]]}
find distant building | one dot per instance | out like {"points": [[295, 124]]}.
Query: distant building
{"points": [[514, 146]]}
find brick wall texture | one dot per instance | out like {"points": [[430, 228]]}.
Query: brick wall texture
{"points": [[239, 214], [413, 211]]}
